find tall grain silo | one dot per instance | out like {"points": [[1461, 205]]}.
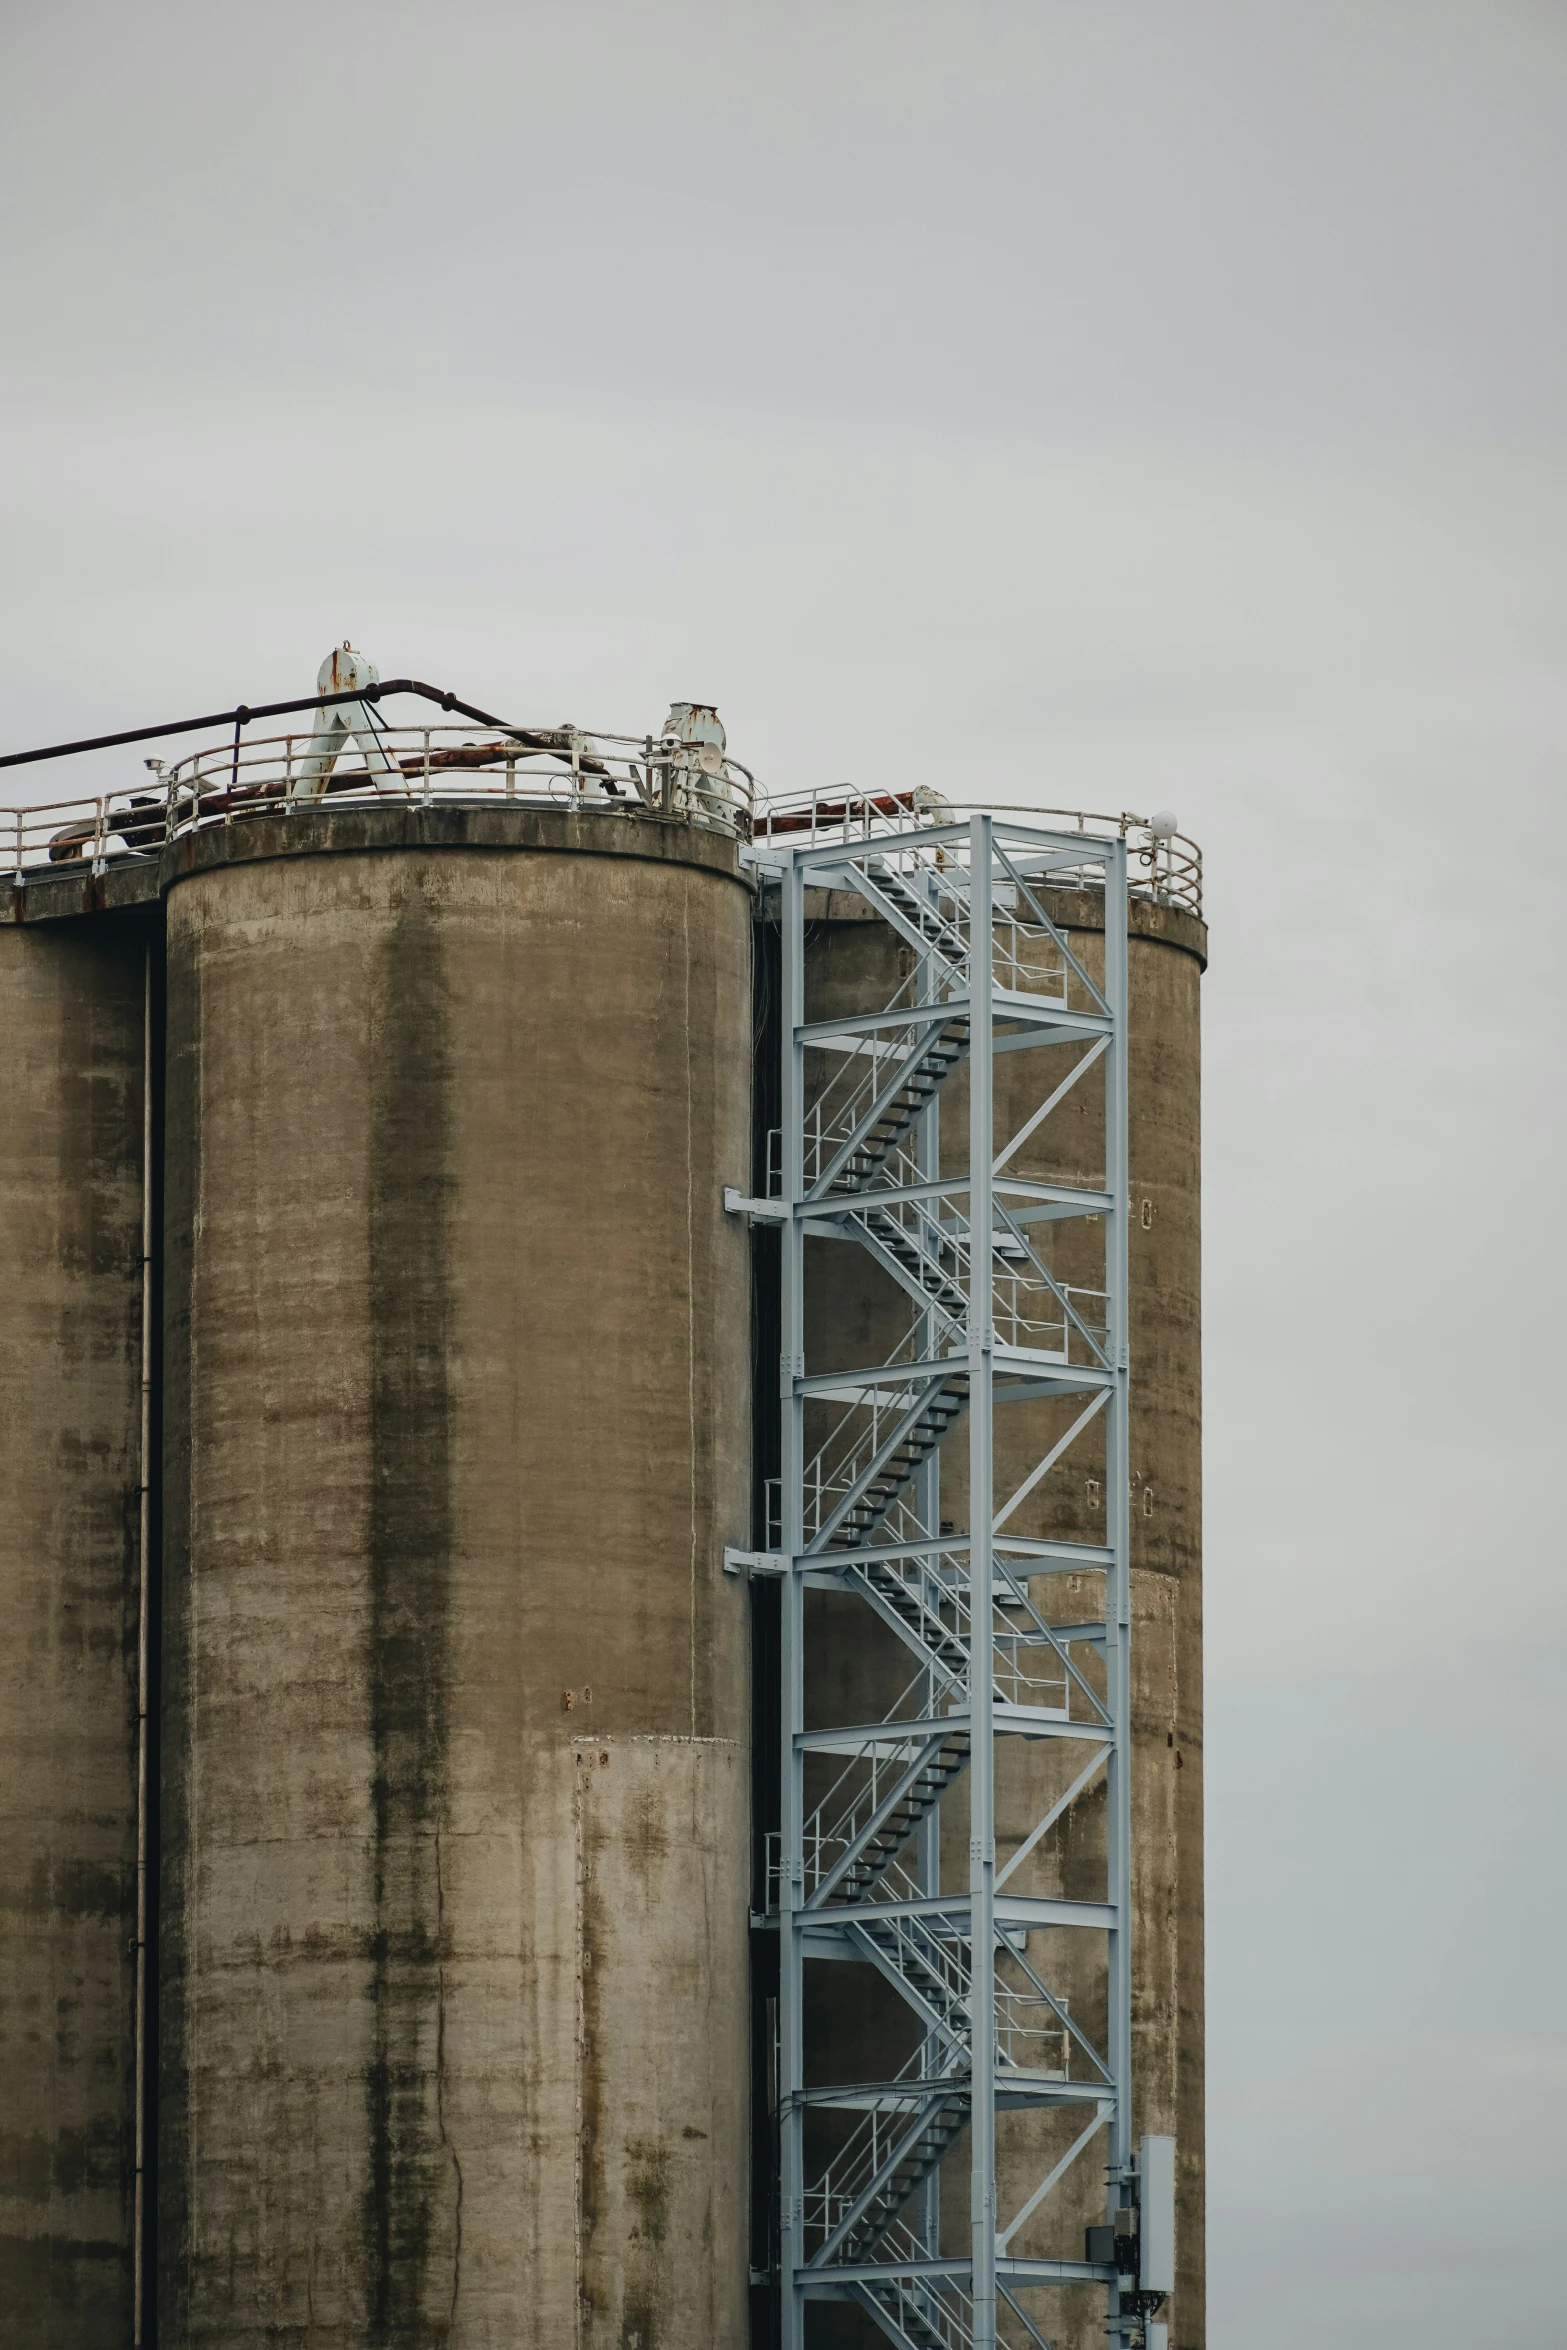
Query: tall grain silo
{"points": [[862, 2024], [451, 2017], [72, 1202], [456, 1778]]}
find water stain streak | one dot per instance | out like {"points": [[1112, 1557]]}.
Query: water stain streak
{"points": [[412, 2205]]}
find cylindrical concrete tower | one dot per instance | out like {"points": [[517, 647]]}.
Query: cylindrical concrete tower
{"points": [[71, 1246], [456, 1749], [858, 2028]]}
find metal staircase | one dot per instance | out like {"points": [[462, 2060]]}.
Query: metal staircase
{"points": [[916, 893], [932, 1969], [914, 2316], [883, 1842], [928, 1623], [871, 2179], [938, 2133], [868, 1140], [872, 1155], [875, 1496], [927, 1260]]}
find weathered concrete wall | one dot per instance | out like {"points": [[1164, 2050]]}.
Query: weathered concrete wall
{"points": [[456, 1719], [71, 1035], [858, 2027]]}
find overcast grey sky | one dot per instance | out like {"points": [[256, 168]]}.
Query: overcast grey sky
{"points": [[1097, 402]]}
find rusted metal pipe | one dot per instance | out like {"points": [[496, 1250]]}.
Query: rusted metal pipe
{"points": [[834, 811]]}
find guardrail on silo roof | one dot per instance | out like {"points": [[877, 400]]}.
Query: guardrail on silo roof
{"points": [[564, 766], [423, 766], [1163, 863]]}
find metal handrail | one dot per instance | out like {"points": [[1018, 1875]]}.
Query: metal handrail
{"points": [[231, 782], [1167, 869], [549, 766]]}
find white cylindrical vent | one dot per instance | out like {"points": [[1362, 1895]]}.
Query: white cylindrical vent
{"points": [[1156, 2219]]}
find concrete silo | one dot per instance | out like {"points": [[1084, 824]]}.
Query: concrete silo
{"points": [[72, 999], [450, 2026], [456, 1766]]}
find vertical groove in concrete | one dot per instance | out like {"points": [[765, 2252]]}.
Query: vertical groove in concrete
{"points": [[413, 2188], [181, 1192], [71, 1021]]}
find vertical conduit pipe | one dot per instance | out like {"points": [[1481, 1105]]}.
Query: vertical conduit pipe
{"points": [[143, 1672]]}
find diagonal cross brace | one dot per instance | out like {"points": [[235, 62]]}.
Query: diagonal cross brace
{"points": [[1069, 1311], [1044, 920]]}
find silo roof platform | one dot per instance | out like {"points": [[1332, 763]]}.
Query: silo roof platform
{"points": [[429, 786]]}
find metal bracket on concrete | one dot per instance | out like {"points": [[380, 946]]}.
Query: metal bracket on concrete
{"points": [[755, 1211], [754, 1562]]}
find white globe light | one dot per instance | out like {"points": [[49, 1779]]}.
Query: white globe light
{"points": [[1163, 825]]}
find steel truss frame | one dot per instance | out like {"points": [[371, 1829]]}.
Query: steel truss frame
{"points": [[864, 1158]]}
